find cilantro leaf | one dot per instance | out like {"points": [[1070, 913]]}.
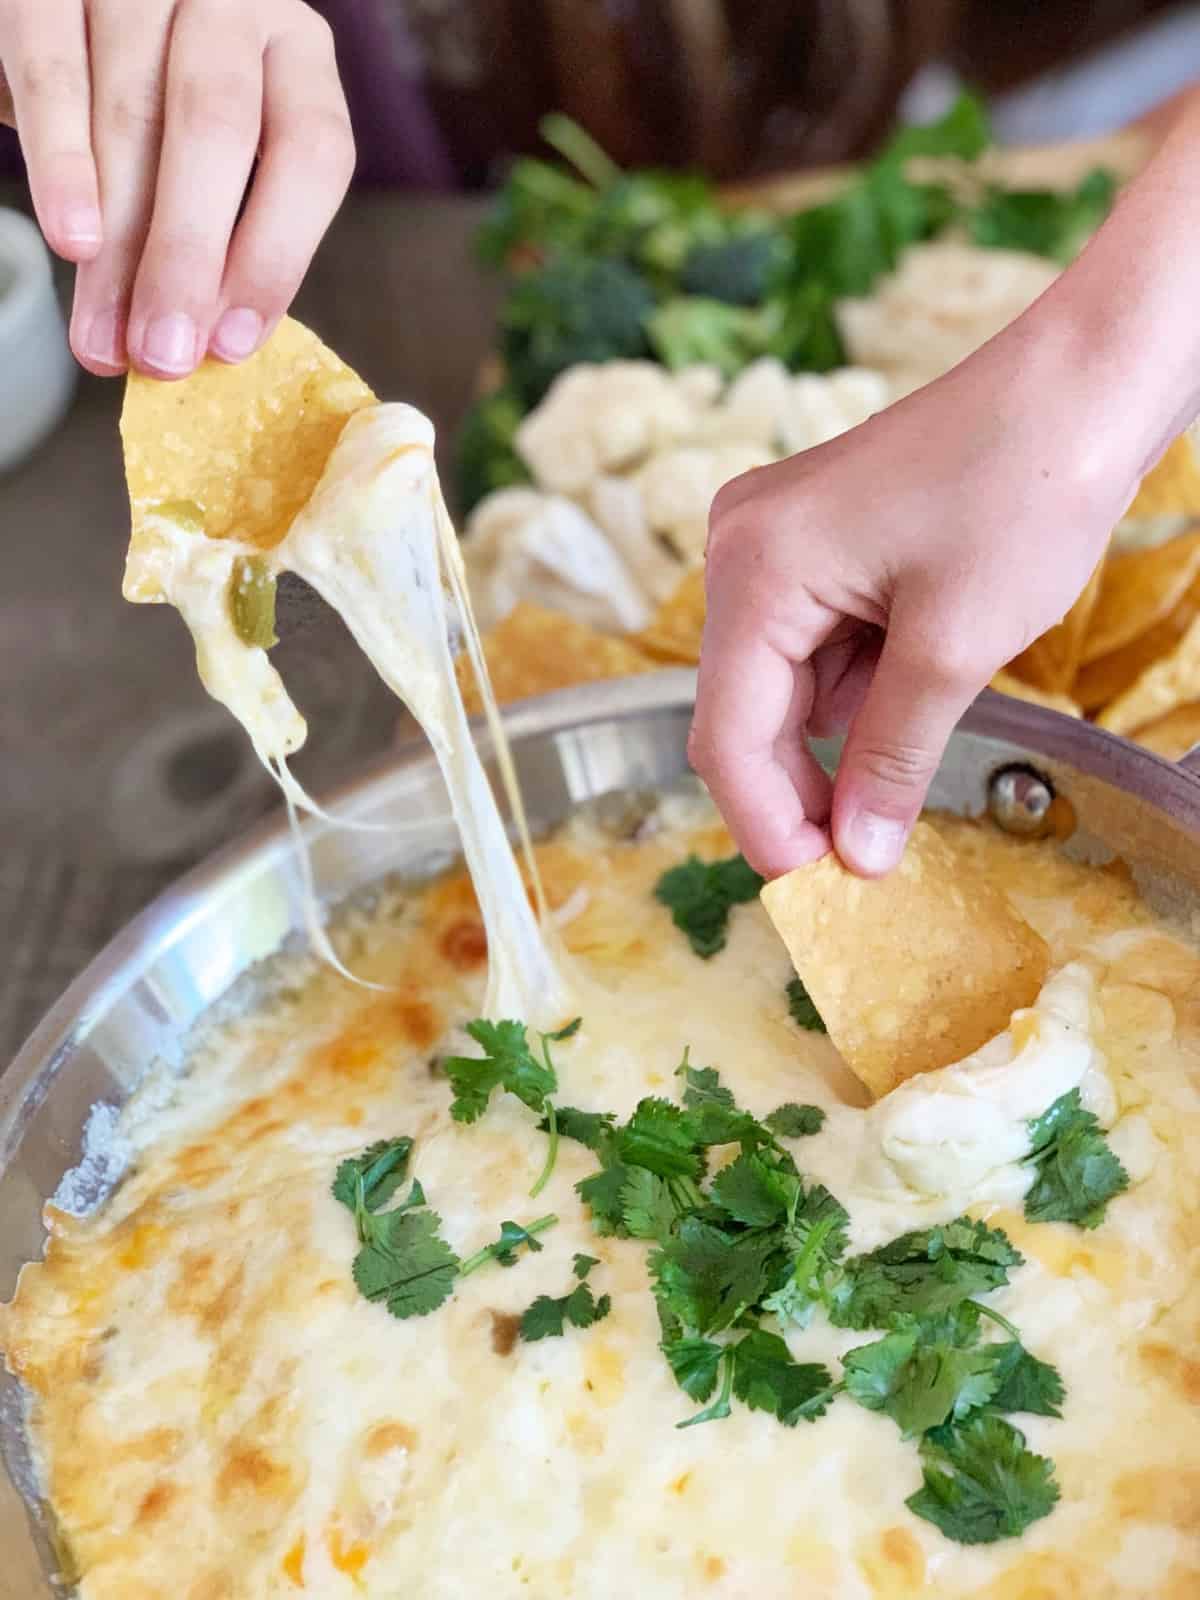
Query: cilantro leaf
{"points": [[721, 1406], [547, 1317], [699, 895], [981, 1483], [504, 1249], [659, 1136], [801, 1008], [1023, 1382], [791, 1121], [695, 1363], [924, 1373], [566, 1032], [1077, 1172], [767, 1378], [588, 1128], [507, 1062], [581, 1265], [708, 1278], [703, 1086], [651, 1206], [381, 1168], [922, 1274], [817, 1239], [757, 1191], [406, 1263], [601, 1193]]}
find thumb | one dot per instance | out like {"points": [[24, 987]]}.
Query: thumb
{"points": [[919, 690]]}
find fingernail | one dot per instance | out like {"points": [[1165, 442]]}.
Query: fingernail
{"points": [[873, 844], [81, 225], [169, 343], [237, 334], [102, 342]]}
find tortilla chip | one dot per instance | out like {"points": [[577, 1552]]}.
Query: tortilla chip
{"points": [[1051, 662], [1175, 734], [912, 971], [675, 632], [1172, 681], [534, 651], [1172, 487], [242, 446], [1109, 676], [1137, 590], [1006, 683]]}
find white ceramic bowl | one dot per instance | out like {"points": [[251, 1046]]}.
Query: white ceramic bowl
{"points": [[37, 373]]}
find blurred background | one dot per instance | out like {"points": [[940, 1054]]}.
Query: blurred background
{"points": [[116, 771]]}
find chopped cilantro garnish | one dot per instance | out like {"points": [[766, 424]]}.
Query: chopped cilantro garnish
{"points": [[791, 1121], [372, 1178], [1077, 1172], [504, 1249], [759, 1189], [981, 1483], [507, 1063], [660, 1137], [405, 1262], [700, 894], [695, 1363], [722, 1362], [651, 1206], [925, 1372], [801, 1008], [548, 1317], [601, 1193], [922, 1274], [1023, 1383], [702, 1085], [816, 1238], [707, 1277], [584, 1127], [766, 1377]]}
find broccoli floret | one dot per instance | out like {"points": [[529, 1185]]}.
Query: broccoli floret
{"points": [[486, 456], [689, 331], [737, 270], [573, 310]]}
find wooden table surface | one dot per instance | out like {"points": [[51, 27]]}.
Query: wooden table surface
{"points": [[117, 772]]}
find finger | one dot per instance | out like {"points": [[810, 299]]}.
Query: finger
{"points": [[212, 118], [45, 53], [128, 51], [747, 744], [919, 690], [305, 168], [843, 671]]}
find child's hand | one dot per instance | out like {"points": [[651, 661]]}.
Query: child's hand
{"points": [[879, 581], [140, 121]]}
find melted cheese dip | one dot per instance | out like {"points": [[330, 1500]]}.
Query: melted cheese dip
{"points": [[219, 1415]]}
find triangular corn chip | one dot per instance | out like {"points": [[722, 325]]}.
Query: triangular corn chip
{"points": [[1006, 683], [912, 971], [1138, 589], [1172, 681], [534, 651], [1175, 734], [675, 632], [1172, 486], [241, 447], [1051, 662]]}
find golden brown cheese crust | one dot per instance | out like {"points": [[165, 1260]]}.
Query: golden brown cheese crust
{"points": [[219, 1414]]}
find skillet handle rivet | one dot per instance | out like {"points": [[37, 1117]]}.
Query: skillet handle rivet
{"points": [[1019, 800]]}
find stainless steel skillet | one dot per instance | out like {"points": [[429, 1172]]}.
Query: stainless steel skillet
{"points": [[136, 1002]]}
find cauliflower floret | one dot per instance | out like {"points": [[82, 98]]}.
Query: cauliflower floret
{"points": [[524, 545], [603, 419], [677, 489], [753, 409], [616, 505], [821, 408], [942, 302]]}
